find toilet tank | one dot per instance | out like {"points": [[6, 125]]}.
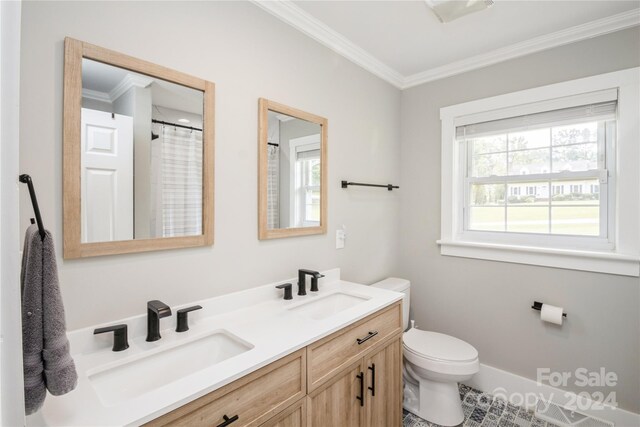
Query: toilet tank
{"points": [[398, 285]]}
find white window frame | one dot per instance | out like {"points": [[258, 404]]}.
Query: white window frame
{"points": [[621, 254]]}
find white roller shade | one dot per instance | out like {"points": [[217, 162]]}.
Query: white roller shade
{"points": [[309, 154], [600, 105], [601, 111]]}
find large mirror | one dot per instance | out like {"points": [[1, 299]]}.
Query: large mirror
{"points": [[138, 155], [292, 172]]}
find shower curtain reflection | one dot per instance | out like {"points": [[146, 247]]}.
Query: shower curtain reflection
{"points": [[176, 181], [273, 186]]}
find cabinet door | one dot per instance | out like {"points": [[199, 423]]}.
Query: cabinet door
{"points": [[339, 402], [383, 406], [294, 416]]}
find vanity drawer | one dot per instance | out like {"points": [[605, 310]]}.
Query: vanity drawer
{"points": [[253, 399], [330, 354]]}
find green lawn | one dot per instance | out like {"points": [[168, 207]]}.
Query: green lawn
{"points": [[534, 218]]}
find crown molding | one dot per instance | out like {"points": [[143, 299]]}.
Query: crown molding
{"points": [[129, 81], [570, 35], [291, 14], [96, 95], [287, 11]]}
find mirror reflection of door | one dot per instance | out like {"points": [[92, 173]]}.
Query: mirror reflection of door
{"points": [[293, 172], [106, 176], [142, 153]]}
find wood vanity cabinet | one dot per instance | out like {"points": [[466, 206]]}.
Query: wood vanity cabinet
{"points": [[352, 377], [383, 406]]}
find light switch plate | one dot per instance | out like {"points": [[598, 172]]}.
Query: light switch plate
{"points": [[340, 238]]}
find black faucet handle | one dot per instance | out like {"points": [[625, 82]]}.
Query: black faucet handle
{"points": [[314, 281], [183, 319], [120, 339], [288, 293]]}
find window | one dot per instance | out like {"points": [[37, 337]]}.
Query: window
{"points": [[306, 181], [533, 176], [525, 156]]}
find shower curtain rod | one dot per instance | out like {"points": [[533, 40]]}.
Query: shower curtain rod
{"points": [[160, 122]]}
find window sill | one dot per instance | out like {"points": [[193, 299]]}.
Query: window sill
{"points": [[600, 262]]}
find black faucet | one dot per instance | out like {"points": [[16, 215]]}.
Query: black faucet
{"points": [[302, 273], [156, 310]]}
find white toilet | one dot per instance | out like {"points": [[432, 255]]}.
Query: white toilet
{"points": [[434, 364]]}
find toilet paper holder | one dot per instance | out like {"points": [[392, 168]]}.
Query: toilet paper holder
{"points": [[538, 306]]}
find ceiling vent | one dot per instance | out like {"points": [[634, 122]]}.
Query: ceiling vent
{"points": [[448, 10]]}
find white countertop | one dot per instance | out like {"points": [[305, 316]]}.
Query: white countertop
{"points": [[258, 316]]}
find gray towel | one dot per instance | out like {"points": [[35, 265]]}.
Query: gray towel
{"points": [[47, 362]]}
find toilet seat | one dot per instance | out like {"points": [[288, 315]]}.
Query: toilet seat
{"points": [[437, 346], [440, 353]]}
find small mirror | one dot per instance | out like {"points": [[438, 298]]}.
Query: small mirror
{"points": [[141, 155], [292, 146]]}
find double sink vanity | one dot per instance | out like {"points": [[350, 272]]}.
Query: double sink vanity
{"points": [[261, 357], [331, 357]]}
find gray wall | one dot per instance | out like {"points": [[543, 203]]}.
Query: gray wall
{"points": [[487, 303], [228, 43]]}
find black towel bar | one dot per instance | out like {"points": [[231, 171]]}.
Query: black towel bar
{"points": [[389, 187], [26, 179]]}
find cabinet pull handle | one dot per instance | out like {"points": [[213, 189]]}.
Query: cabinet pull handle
{"points": [[370, 335], [360, 376], [372, 368], [228, 420]]}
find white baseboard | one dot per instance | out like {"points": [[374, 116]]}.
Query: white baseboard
{"points": [[496, 381]]}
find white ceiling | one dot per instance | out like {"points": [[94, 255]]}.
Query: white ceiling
{"points": [[404, 42]]}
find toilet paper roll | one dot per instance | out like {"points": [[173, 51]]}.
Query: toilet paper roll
{"points": [[551, 314]]}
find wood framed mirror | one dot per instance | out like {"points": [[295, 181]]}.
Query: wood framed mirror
{"points": [[138, 155], [292, 172]]}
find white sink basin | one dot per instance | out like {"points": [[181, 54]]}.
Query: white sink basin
{"points": [[136, 377], [328, 305]]}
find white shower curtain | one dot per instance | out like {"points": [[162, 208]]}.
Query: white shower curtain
{"points": [[178, 197], [273, 187]]}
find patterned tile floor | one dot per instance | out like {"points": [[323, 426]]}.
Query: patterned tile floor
{"points": [[482, 410]]}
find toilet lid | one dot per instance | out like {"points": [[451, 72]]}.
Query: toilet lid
{"points": [[434, 345]]}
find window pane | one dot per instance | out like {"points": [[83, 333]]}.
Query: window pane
{"points": [[488, 165], [487, 194], [574, 133], [580, 157], [488, 144], [312, 205], [529, 139], [528, 193], [486, 218], [528, 219], [576, 193], [580, 220], [314, 178], [529, 162]]}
